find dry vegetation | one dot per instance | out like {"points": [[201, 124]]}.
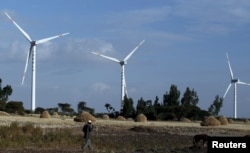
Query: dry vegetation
{"points": [[128, 135]]}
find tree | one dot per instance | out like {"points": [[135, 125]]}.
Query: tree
{"points": [[15, 107], [171, 98], [128, 108], [190, 98], [65, 108], [81, 106], [5, 92], [215, 107], [107, 105]]}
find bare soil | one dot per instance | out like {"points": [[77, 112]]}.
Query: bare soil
{"points": [[111, 136]]}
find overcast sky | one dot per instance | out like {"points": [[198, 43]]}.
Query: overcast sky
{"points": [[185, 45]]}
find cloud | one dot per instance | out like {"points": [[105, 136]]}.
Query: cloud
{"points": [[100, 87]]}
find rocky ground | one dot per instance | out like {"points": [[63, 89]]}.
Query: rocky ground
{"points": [[131, 137]]}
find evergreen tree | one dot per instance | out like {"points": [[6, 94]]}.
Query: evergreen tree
{"points": [[171, 98], [215, 107], [128, 108], [190, 98]]}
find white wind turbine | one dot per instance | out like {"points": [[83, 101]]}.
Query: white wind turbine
{"points": [[235, 82], [122, 63], [32, 51]]}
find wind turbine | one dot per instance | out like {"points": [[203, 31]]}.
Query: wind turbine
{"points": [[32, 51], [235, 82], [122, 63]]}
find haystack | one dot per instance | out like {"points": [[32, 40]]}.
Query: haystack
{"points": [[4, 113], [105, 117], [246, 121], [210, 121], [84, 117], [121, 118], [55, 114], [45, 114], [230, 121], [186, 120], [141, 118], [223, 120]]}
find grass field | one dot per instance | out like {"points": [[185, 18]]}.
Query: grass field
{"points": [[118, 136]]}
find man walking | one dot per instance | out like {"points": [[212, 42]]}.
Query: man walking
{"points": [[87, 128]]}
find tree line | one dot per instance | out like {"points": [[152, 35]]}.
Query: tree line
{"points": [[172, 107]]}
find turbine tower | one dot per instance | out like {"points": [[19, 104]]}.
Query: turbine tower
{"points": [[122, 63], [234, 81], [32, 52]]}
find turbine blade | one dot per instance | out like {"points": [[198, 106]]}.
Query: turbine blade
{"points": [[244, 83], [26, 64], [227, 90], [50, 38], [107, 57], [19, 28], [130, 54], [231, 72]]}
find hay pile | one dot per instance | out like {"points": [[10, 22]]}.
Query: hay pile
{"points": [[186, 120], [141, 118], [105, 117], [84, 117], [4, 113], [210, 121], [54, 114], [121, 118], [223, 120], [230, 121], [45, 114], [246, 121]]}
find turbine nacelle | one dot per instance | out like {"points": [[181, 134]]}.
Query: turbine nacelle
{"points": [[123, 63], [235, 80]]}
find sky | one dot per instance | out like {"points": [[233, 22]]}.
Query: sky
{"points": [[185, 45]]}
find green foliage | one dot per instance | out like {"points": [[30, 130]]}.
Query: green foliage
{"points": [[5, 92], [172, 98], [215, 107], [66, 108], [15, 107], [128, 108], [146, 108], [171, 109], [190, 98]]}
